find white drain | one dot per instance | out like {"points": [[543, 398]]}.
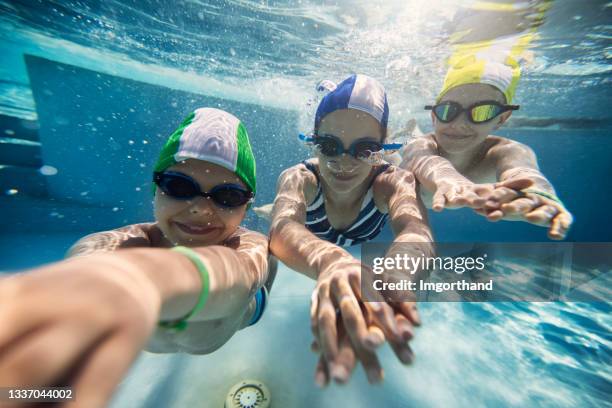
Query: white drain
{"points": [[248, 394]]}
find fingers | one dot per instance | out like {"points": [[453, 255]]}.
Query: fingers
{"points": [[439, 201], [409, 310], [517, 184], [321, 373], [376, 335], [371, 365], [473, 199], [455, 197], [560, 225], [104, 368], [384, 317], [314, 307], [521, 205], [352, 317], [346, 360], [500, 196], [401, 349], [48, 353], [495, 215], [542, 215], [326, 322]]}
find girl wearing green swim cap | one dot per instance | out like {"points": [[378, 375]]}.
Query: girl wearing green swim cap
{"points": [[186, 282]]}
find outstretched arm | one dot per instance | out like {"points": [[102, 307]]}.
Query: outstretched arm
{"points": [[290, 241], [438, 175], [88, 317], [336, 300], [397, 191], [538, 204]]}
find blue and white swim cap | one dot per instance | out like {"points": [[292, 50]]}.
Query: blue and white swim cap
{"points": [[356, 92]]}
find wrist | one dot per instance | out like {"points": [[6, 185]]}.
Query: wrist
{"points": [[332, 263], [453, 182], [172, 276]]}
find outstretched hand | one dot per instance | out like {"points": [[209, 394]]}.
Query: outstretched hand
{"points": [[79, 324], [457, 195], [342, 319], [530, 207]]}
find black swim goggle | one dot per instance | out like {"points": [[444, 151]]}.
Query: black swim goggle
{"points": [[362, 149], [480, 112], [182, 187]]}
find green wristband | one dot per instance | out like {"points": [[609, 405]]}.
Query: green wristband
{"points": [[194, 257], [544, 194]]}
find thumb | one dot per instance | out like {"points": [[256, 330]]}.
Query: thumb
{"points": [[439, 201]]}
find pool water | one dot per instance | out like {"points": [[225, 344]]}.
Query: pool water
{"points": [[90, 90]]}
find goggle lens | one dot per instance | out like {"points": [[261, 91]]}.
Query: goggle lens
{"points": [[229, 196], [183, 187], [484, 113], [178, 187], [446, 112]]}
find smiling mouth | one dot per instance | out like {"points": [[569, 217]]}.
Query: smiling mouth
{"points": [[458, 136], [343, 176], [196, 229]]}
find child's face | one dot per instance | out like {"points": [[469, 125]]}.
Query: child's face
{"points": [[344, 173], [460, 134], [200, 221]]}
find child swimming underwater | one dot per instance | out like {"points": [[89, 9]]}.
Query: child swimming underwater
{"points": [[456, 162], [81, 322], [343, 197]]}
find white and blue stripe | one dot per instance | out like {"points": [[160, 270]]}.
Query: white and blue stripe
{"points": [[368, 224]]}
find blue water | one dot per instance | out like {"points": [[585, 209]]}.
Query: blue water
{"points": [[90, 90]]}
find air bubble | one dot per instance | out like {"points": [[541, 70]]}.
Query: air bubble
{"points": [[48, 170]]}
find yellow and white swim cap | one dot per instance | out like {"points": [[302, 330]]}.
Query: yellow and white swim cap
{"points": [[473, 70]]}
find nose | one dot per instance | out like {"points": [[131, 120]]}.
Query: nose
{"points": [[344, 163], [202, 205], [461, 122]]}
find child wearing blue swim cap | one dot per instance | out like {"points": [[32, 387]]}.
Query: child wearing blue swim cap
{"points": [[343, 196], [186, 282], [463, 164]]}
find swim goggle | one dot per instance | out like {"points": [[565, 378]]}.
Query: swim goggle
{"points": [[182, 187], [365, 149], [480, 112]]}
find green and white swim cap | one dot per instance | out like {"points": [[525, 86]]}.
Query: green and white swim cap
{"points": [[214, 136]]}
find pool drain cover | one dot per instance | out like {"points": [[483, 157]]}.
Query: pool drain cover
{"points": [[248, 394]]}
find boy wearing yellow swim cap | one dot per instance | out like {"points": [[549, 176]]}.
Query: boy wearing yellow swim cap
{"points": [[462, 164]]}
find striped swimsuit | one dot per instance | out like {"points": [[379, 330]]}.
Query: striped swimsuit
{"points": [[368, 224]]}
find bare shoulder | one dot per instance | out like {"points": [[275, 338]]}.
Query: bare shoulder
{"points": [[391, 181], [298, 179], [244, 236], [130, 236], [393, 176], [503, 148], [425, 142], [417, 148]]}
